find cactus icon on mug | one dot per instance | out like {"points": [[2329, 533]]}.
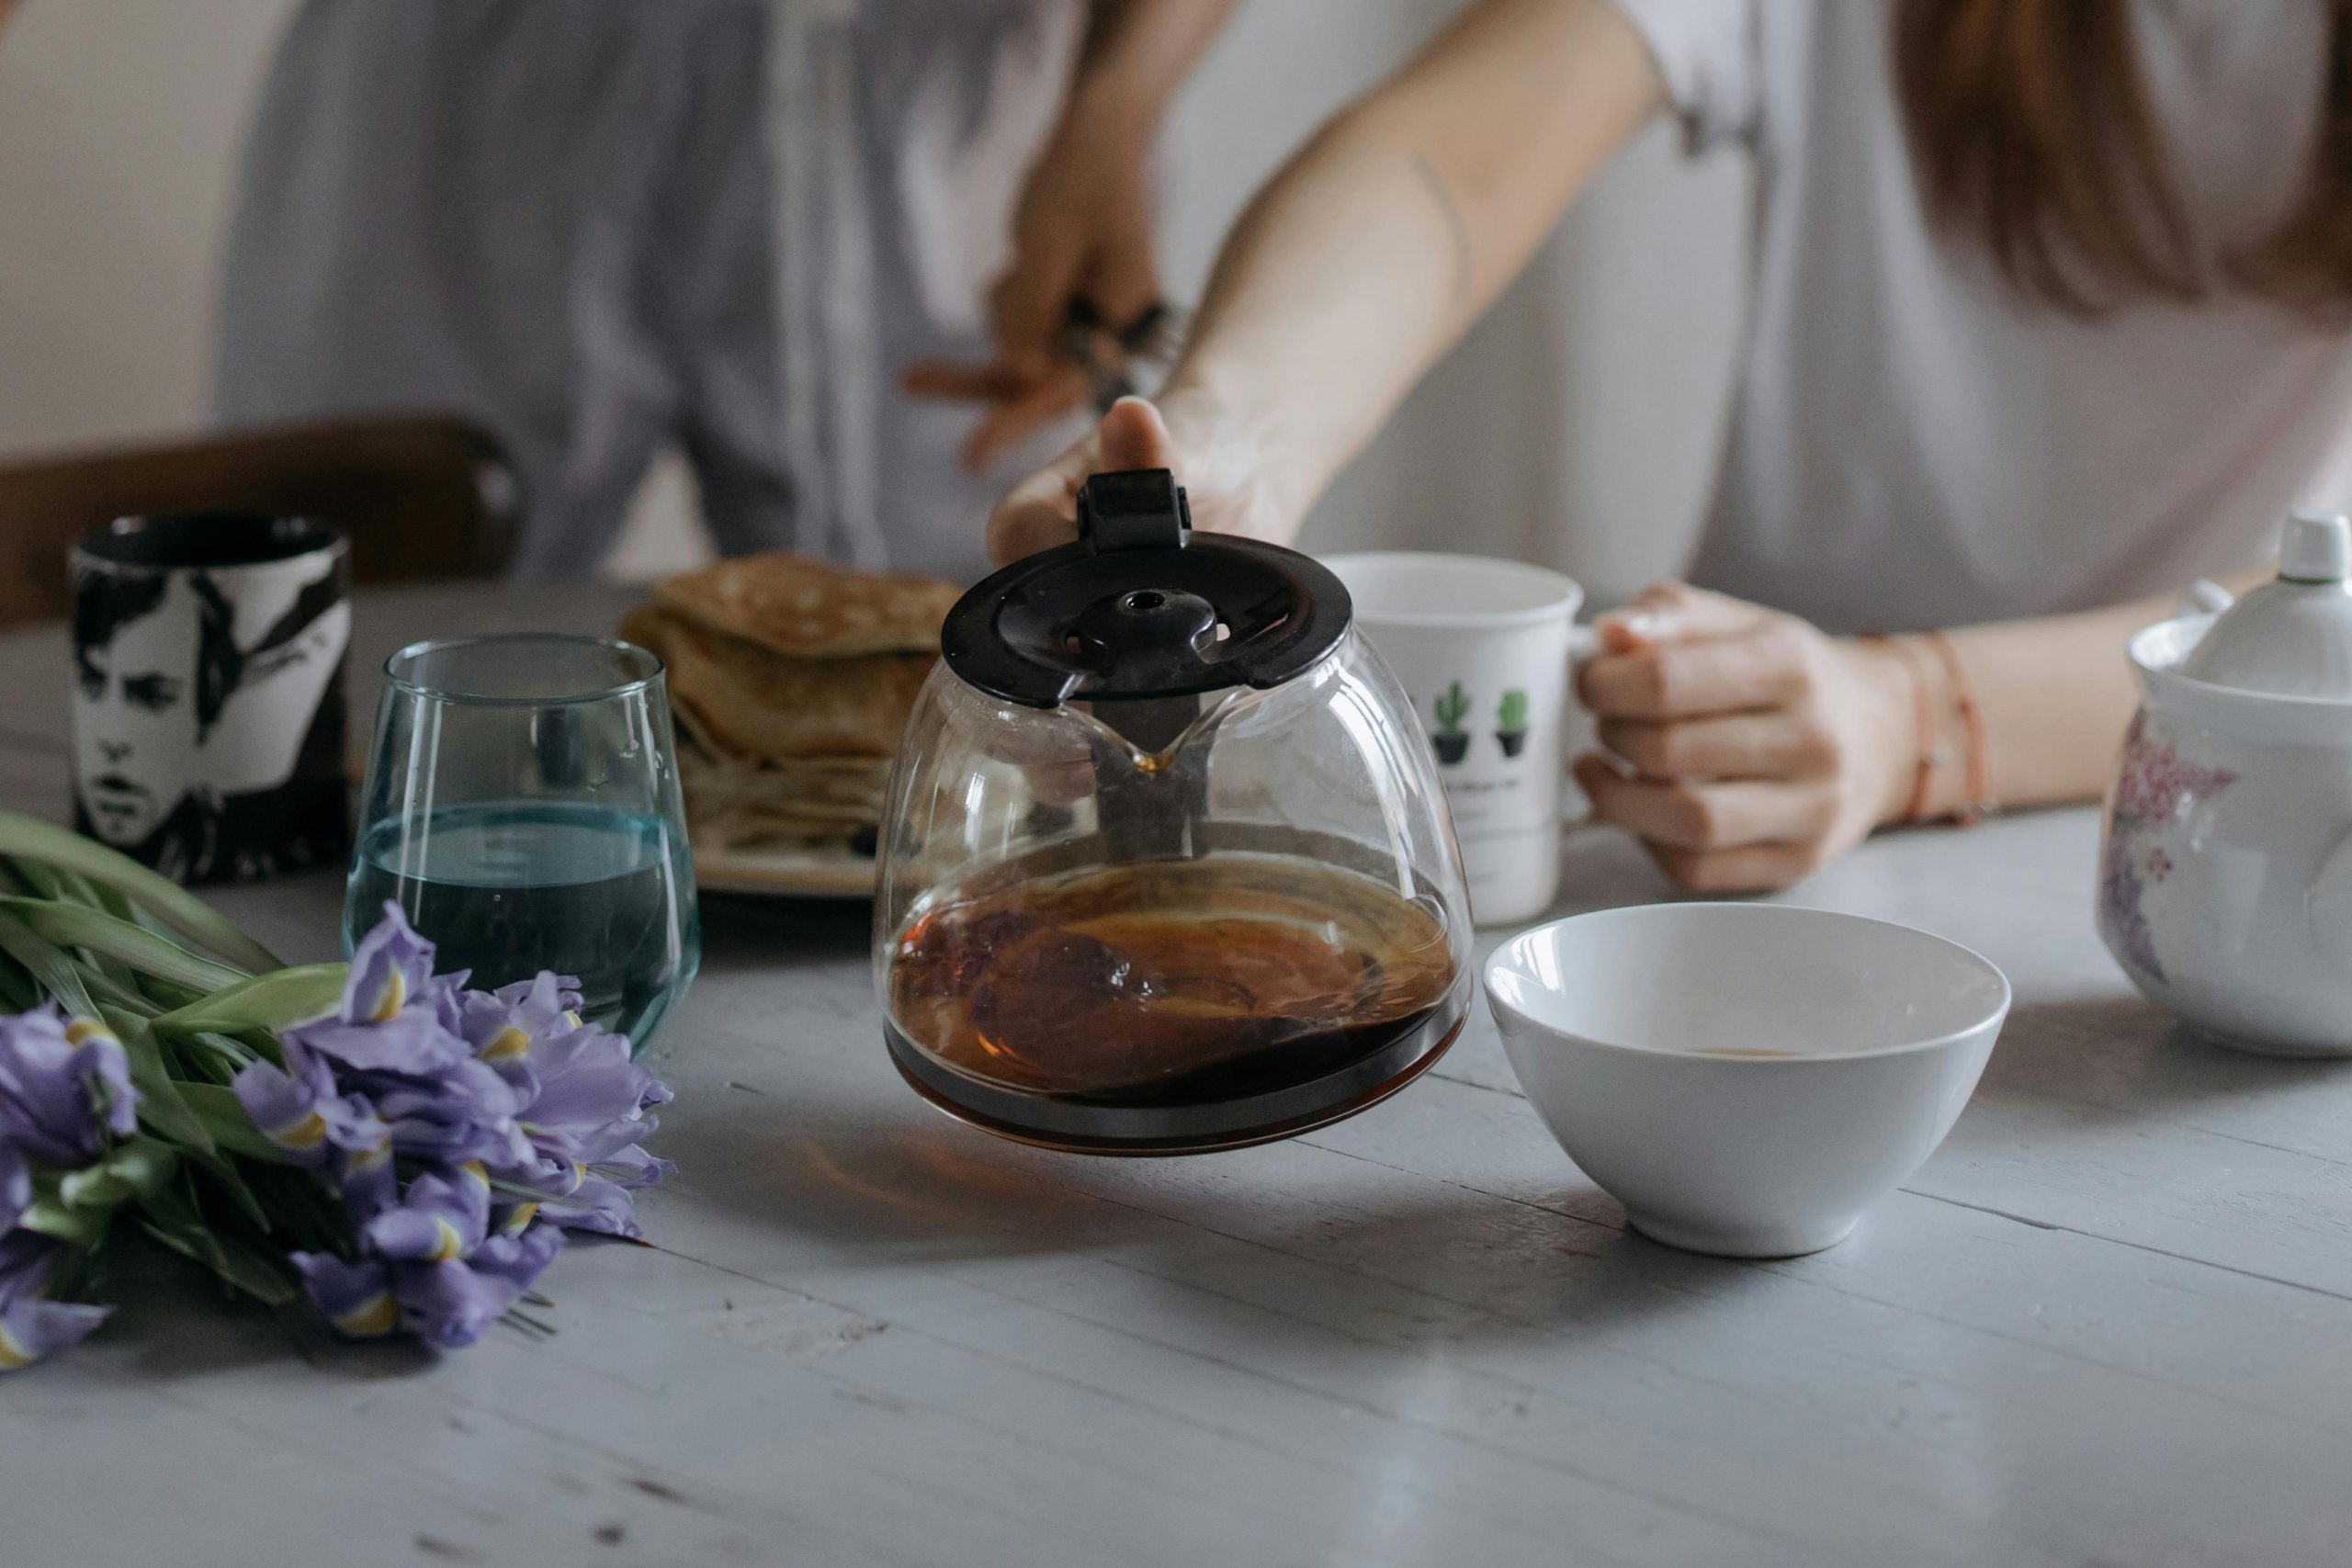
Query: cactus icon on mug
{"points": [[1453, 741], [1511, 722]]}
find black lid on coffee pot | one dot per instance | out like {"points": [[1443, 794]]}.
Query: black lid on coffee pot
{"points": [[1139, 607]]}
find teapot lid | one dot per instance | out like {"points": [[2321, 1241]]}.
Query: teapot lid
{"points": [[1139, 606], [2293, 636]]}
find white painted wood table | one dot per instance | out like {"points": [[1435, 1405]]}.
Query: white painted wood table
{"points": [[2111, 1322]]}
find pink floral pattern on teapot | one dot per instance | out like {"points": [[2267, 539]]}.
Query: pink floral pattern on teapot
{"points": [[2154, 787]]}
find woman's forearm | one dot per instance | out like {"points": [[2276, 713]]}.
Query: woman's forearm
{"points": [[2055, 694], [1374, 248], [1138, 53]]}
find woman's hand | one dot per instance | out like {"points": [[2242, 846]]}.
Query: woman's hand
{"points": [[1215, 456], [1754, 748], [1082, 231]]}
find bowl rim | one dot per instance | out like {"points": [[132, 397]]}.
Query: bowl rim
{"points": [[1518, 942]]}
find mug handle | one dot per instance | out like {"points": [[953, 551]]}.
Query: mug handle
{"points": [[1583, 643]]}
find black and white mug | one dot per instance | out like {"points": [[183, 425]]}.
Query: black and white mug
{"points": [[209, 653]]}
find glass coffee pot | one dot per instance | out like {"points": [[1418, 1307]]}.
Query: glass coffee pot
{"points": [[1166, 866]]}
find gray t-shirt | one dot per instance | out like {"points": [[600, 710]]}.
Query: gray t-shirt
{"points": [[1914, 444]]}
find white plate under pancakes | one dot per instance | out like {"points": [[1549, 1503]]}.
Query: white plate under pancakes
{"points": [[835, 872]]}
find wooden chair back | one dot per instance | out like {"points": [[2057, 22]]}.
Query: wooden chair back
{"points": [[419, 496]]}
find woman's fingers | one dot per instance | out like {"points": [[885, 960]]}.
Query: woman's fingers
{"points": [[1753, 868], [1042, 511], [1007, 424], [1029, 302], [1675, 612], [1779, 743], [1124, 282], [1133, 436], [1688, 816], [968, 383], [1755, 748], [1763, 666]]}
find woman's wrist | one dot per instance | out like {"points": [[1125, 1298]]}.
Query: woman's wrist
{"points": [[1922, 745], [1887, 679], [1230, 431], [1112, 99]]}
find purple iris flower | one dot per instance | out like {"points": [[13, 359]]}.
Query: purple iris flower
{"points": [[591, 1097], [461, 1112], [391, 968], [15, 1185], [584, 1122], [438, 1218], [354, 1298], [396, 1016], [430, 1265], [300, 1109], [593, 1193], [63, 1084], [450, 1304], [30, 1326], [583, 1103], [508, 1118], [506, 1026]]}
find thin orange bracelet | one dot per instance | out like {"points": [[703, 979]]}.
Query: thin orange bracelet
{"points": [[1976, 775], [1924, 719]]}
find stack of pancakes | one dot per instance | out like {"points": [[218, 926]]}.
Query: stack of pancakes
{"points": [[791, 680]]}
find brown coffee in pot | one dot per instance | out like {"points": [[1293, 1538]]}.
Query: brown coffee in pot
{"points": [[1169, 982]]}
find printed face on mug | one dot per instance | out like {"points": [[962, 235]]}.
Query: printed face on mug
{"points": [[1482, 647], [206, 692]]}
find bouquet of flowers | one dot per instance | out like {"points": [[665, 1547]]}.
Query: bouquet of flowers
{"points": [[406, 1151]]}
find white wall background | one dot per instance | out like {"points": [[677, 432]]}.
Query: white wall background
{"points": [[1578, 426]]}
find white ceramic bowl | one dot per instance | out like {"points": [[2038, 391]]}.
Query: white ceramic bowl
{"points": [[1628, 1030]]}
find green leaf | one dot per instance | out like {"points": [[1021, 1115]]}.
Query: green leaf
{"points": [[51, 968], [35, 878], [71, 925], [237, 1264], [32, 838], [43, 881], [162, 1110], [115, 902], [133, 1170], [50, 1214], [173, 1218], [267, 1001], [223, 1115], [107, 992], [206, 1057], [17, 991]]}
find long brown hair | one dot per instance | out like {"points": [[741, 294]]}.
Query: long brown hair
{"points": [[2031, 130]]}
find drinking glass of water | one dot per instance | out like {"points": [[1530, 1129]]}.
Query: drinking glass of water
{"points": [[522, 808]]}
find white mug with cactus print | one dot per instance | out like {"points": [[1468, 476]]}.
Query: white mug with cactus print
{"points": [[1483, 646]]}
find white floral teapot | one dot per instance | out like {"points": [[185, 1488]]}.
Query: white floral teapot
{"points": [[2225, 870]]}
